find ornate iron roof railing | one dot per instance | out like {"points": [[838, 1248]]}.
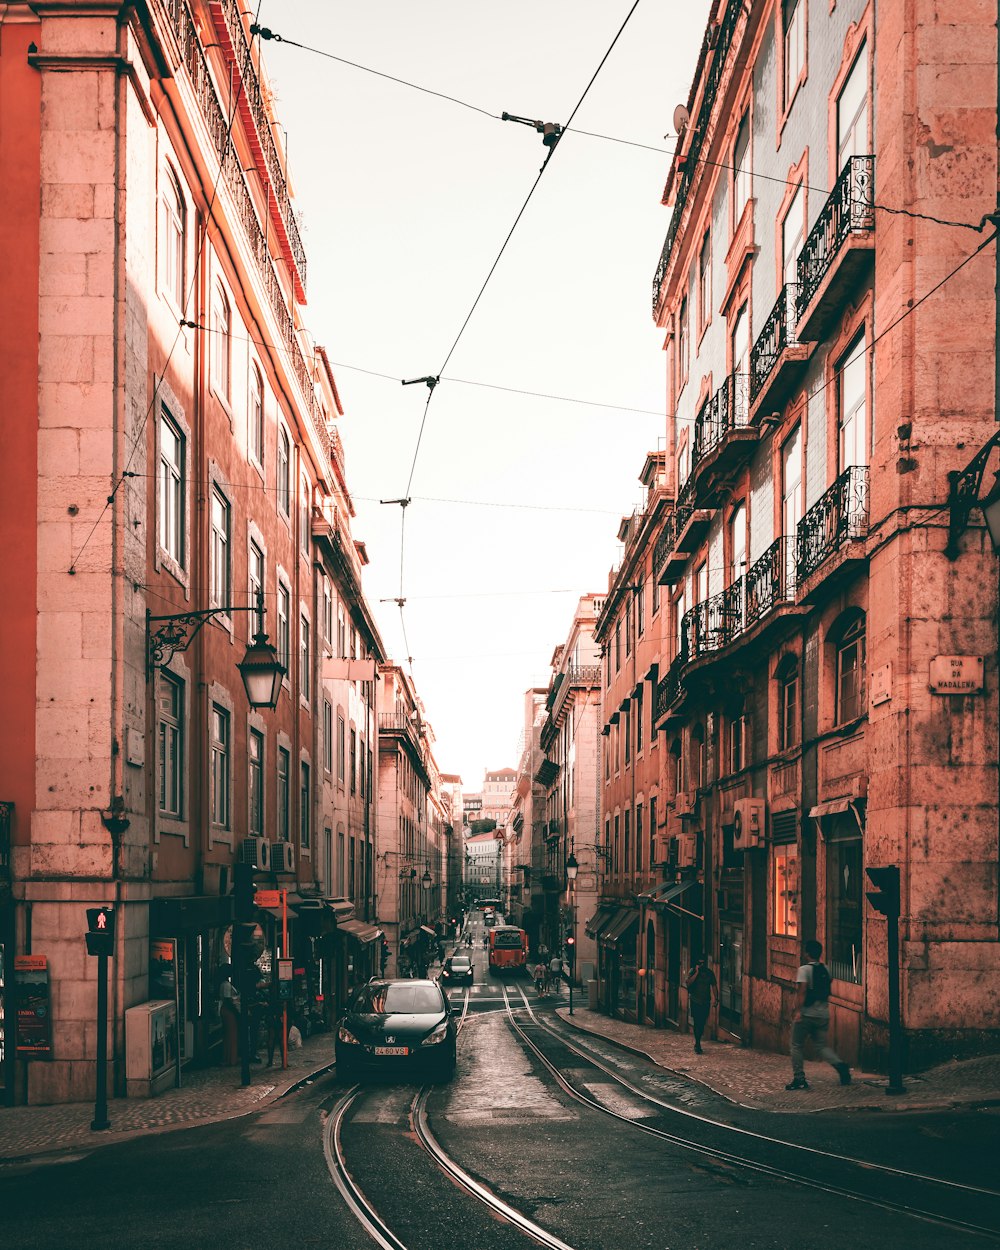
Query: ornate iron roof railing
{"points": [[770, 580], [849, 209], [839, 514], [778, 333], [728, 409], [685, 171]]}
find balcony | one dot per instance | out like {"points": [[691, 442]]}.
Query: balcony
{"points": [[679, 538], [669, 692], [713, 624], [723, 438], [777, 360], [770, 582], [546, 773], [840, 247], [830, 535]]}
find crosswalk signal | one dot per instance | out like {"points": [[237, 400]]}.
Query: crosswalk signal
{"points": [[570, 948], [100, 931], [885, 897]]}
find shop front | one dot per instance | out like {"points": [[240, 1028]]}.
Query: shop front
{"points": [[618, 950]]}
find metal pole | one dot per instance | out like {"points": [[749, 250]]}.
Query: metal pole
{"points": [[245, 1039], [100, 1120], [284, 955], [895, 1085]]}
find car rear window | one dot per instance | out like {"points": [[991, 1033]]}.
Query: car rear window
{"points": [[460, 961], [403, 999]]}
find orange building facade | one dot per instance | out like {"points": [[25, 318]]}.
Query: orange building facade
{"points": [[172, 432], [819, 395]]}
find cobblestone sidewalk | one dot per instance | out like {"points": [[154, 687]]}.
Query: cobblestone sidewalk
{"points": [[206, 1095], [757, 1078]]}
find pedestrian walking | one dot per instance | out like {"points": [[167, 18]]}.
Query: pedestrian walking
{"points": [[555, 972], [812, 1017], [703, 990]]}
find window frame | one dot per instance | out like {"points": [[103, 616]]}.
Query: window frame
{"points": [[705, 283], [283, 793], [742, 170], [786, 867], [170, 733], [220, 767], [305, 805], [794, 36], [283, 470], [171, 535], [222, 344], [220, 575], [173, 225], [853, 638], [256, 418], [255, 774]]}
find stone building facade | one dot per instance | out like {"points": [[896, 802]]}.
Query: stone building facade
{"points": [[819, 393]]}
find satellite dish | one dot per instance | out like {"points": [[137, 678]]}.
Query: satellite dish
{"points": [[681, 119]]}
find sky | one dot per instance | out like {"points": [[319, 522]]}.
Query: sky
{"points": [[406, 199]]}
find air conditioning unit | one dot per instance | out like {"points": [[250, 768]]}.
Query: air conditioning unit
{"points": [[687, 850], [661, 849], [684, 802], [256, 852], [282, 857], [748, 823]]}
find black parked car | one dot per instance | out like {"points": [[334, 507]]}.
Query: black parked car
{"points": [[457, 970], [397, 1026]]}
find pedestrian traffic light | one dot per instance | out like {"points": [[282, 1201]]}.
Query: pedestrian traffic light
{"points": [[100, 931], [885, 897]]}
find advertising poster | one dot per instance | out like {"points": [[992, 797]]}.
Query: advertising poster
{"points": [[34, 1017], [164, 982]]}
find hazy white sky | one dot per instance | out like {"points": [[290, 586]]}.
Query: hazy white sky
{"points": [[406, 200]]}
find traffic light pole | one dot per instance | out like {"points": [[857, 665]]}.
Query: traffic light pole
{"points": [[895, 1085], [100, 1120]]}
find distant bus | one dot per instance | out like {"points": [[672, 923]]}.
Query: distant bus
{"points": [[489, 904], [508, 949]]}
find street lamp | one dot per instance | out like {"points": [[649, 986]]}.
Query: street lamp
{"points": [[425, 880], [572, 867]]}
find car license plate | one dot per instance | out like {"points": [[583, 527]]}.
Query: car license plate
{"points": [[391, 1050]]}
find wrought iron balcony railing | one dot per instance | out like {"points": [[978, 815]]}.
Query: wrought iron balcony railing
{"points": [[713, 624], [728, 409], [698, 131], [837, 516], [770, 581], [669, 687], [673, 526], [849, 209], [778, 333]]}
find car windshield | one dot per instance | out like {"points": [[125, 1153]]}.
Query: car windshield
{"points": [[411, 1000], [460, 961]]}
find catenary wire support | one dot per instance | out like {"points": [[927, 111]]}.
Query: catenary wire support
{"points": [[551, 132], [430, 382]]}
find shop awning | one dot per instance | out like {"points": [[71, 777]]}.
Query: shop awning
{"points": [[619, 926], [599, 921], [666, 893], [342, 908], [830, 808], [362, 933]]}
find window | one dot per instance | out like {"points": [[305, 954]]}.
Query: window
{"points": [[680, 608], [350, 869], [640, 607], [327, 610], [255, 778], [844, 892], [618, 645], [738, 543], [852, 112], [639, 863], [341, 634], [171, 739], [785, 909], [652, 831], [700, 583], [174, 225], [361, 766], [255, 571], [850, 673], [740, 347], [628, 841], [220, 767], [341, 748], [792, 501], [284, 482], [705, 282], [683, 345], [628, 628], [354, 761], [656, 596], [219, 573], [627, 722], [617, 859], [305, 659], [788, 704], [305, 502], [284, 793], [328, 860], [638, 719], [172, 484], [698, 770], [222, 345], [793, 235], [305, 805], [327, 736], [852, 374], [741, 170], [255, 417], [284, 626], [794, 23], [737, 742], [677, 766]]}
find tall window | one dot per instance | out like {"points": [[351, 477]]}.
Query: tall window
{"points": [[853, 405], [341, 749], [844, 892], [628, 628], [850, 672], [738, 543], [172, 501], [305, 659], [794, 21], [222, 344], [788, 704], [173, 218], [705, 282], [639, 862], [740, 346], [683, 344], [618, 645], [305, 805], [220, 767], [741, 170], [640, 607], [793, 235], [327, 610], [255, 571], [852, 112], [638, 718], [618, 849], [354, 761], [327, 736], [255, 416], [737, 742], [255, 776], [698, 773], [627, 722], [785, 907], [284, 626], [219, 593], [328, 860], [652, 831], [171, 741], [628, 841], [656, 596], [284, 471], [305, 502], [284, 793], [792, 502], [680, 608]]}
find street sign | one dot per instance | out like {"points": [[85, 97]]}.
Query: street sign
{"points": [[267, 898]]}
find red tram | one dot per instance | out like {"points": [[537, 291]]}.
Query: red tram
{"points": [[508, 949]]}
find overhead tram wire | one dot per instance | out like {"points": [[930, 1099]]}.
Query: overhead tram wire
{"points": [[125, 473]]}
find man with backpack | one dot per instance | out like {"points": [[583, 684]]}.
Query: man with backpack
{"points": [[813, 1017]]}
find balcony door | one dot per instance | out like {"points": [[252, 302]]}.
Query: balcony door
{"points": [[791, 502], [740, 344], [853, 405], [852, 112]]}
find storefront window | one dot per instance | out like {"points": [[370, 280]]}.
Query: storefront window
{"points": [[844, 891], [785, 910]]}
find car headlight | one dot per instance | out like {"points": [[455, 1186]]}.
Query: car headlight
{"points": [[438, 1035], [345, 1035]]}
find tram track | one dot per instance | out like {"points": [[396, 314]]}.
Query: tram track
{"points": [[956, 1191]]}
